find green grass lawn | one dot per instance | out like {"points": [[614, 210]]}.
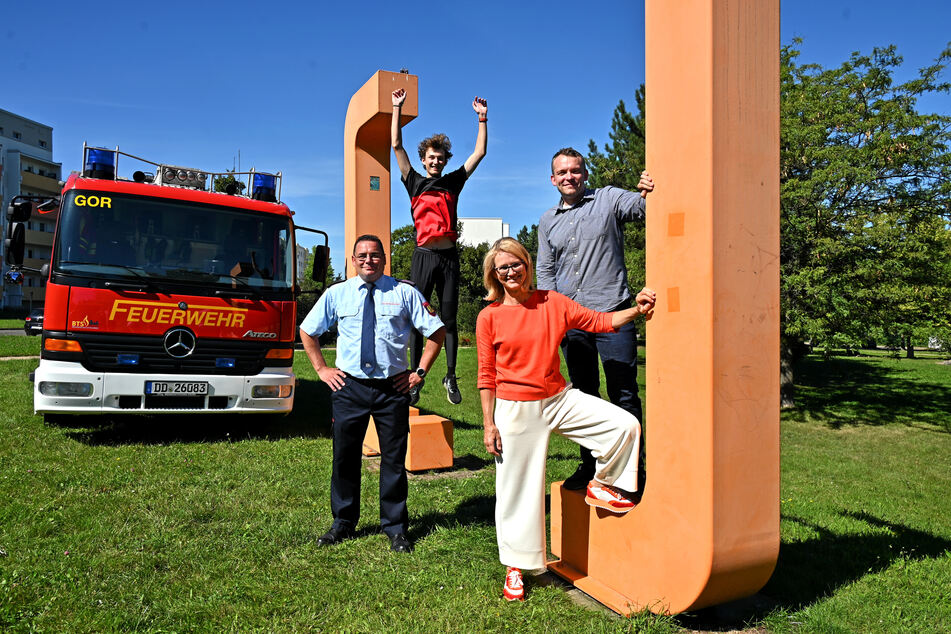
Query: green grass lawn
{"points": [[210, 523], [16, 346]]}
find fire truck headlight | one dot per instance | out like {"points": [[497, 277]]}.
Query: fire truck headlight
{"points": [[271, 391], [60, 388]]}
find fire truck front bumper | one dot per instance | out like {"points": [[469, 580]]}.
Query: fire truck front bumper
{"points": [[68, 388]]}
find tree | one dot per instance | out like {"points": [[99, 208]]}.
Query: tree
{"points": [[865, 203], [864, 200], [402, 243], [306, 300], [221, 183]]}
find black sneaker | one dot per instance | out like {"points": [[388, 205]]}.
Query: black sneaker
{"points": [[452, 389], [579, 479], [414, 394]]}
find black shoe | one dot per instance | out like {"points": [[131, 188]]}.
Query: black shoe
{"points": [[452, 389], [335, 535], [399, 543], [414, 394], [579, 479]]}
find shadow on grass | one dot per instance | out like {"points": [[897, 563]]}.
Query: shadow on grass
{"points": [[809, 571], [847, 392], [476, 510], [311, 418]]}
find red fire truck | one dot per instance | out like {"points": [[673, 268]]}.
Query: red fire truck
{"points": [[163, 296]]}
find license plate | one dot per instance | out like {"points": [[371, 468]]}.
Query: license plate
{"points": [[176, 388]]}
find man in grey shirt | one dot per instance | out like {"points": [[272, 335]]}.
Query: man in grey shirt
{"points": [[581, 255]]}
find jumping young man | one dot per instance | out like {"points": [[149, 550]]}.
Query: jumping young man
{"points": [[433, 200]]}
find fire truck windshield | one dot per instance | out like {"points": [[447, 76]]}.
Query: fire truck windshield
{"points": [[134, 238]]}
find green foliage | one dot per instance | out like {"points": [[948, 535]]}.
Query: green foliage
{"points": [[528, 236], [865, 204], [221, 182], [865, 201], [312, 290], [402, 243], [620, 165]]}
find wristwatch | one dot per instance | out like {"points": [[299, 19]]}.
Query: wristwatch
{"points": [[421, 373]]}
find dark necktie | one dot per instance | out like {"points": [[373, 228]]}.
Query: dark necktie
{"points": [[367, 350]]}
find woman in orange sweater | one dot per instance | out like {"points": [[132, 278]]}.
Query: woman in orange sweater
{"points": [[525, 398]]}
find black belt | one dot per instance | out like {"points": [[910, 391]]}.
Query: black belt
{"points": [[374, 382]]}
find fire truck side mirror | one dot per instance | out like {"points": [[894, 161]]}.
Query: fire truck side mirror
{"points": [[321, 263], [19, 211], [14, 242]]}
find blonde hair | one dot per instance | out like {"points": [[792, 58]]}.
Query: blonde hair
{"points": [[491, 281]]}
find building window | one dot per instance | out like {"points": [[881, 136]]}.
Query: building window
{"points": [[43, 226], [17, 135], [42, 143], [29, 253]]}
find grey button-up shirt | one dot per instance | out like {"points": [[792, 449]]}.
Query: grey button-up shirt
{"points": [[581, 248]]}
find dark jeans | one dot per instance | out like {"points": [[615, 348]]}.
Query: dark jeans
{"points": [[438, 269], [353, 404], [618, 352]]}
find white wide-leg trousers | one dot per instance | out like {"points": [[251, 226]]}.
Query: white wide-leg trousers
{"points": [[612, 434]]}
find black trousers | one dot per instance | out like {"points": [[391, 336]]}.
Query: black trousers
{"points": [[353, 404], [618, 352], [438, 269]]}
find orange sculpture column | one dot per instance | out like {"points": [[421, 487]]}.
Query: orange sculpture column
{"points": [[707, 528], [366, 155]]}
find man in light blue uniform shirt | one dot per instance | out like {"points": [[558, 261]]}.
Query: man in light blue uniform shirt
{"points": [[374, 314]]}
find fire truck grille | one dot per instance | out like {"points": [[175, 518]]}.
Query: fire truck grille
{"points": [[132, 354]]}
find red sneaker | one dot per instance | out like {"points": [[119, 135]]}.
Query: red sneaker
{"points": [[514, 589], [607, 497]]}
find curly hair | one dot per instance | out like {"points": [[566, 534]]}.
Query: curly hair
{"points": [[491, 281], [438, 142]]}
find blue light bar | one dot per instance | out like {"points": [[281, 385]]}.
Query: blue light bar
{"points": [[224, 362], [264, 187], [127, 359], [100, 164]]}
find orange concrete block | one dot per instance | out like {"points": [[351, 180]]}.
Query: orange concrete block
{"points": [[707, 528], [430, 443], [371, 443]]}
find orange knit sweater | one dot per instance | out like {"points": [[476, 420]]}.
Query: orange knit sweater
{"points": [[518, 345]]}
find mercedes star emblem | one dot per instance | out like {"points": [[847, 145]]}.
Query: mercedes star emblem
{"points": [[179, 343]]}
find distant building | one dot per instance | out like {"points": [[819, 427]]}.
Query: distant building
{"points": [[27, 167], [478, 230], [303, 255]]}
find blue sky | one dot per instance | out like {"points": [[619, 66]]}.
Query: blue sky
{"points": [[272, 81]]}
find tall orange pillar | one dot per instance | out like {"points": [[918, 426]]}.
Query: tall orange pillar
{"points": [[366, 155], [707, 528]]}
